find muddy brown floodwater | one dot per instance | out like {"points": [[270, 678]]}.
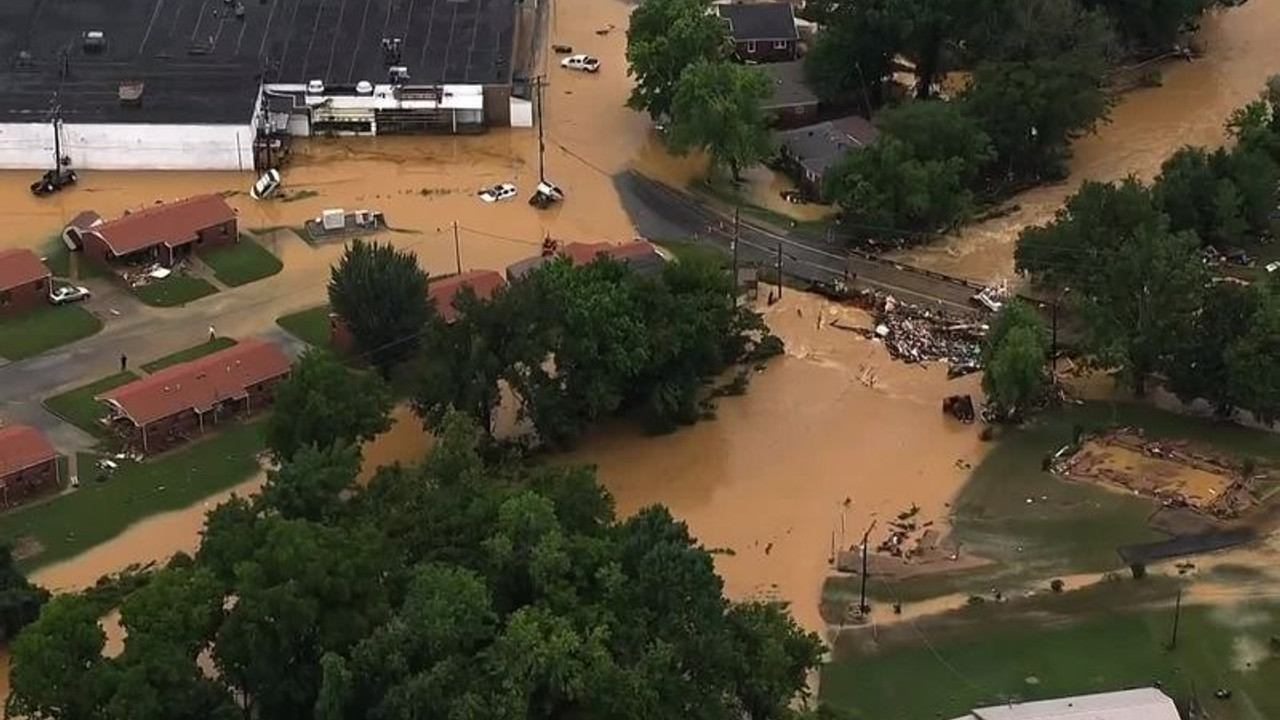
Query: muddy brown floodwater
{"points": [[768, 479], [1145, 128]]}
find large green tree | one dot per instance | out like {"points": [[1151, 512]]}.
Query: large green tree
{"points": [[20, 600], [718, 108], [56, 666], [664, 38], [381, 295], [323, 403], [1197, 368], [1015, 360], [851, 58], [1151, 24], [889, 189], [1253, 373]]}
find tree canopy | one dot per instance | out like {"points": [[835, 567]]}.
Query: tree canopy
{"points": [[459, 589], [20, 601], [664, 38], [381, 295], [323, 403], [718, 108], [1015, 360]]}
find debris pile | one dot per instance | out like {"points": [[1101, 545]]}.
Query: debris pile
{"points": [[915, 334], [959, 407]]}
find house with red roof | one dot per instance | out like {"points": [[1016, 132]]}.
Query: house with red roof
{"points": [[185, 401], [165, 233], [639, 255], [28, 464], [442, 292], [24, 281]]}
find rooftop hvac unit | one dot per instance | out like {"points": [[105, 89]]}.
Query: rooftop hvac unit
{"points": [[93, 41], [398, 73], [131, 92], [315, 87], [364, 87], [333, 219]]}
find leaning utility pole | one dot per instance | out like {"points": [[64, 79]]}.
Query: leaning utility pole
{"points": [[457, 248], [737, 237], [1177, 614], [780, 272], [542, 148], [863, 608]]}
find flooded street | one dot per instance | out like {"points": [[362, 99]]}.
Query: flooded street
{"points": [[1145, 127], [828, 438]]}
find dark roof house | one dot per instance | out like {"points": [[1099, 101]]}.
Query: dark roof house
{"points": [[792, 102], [762, 31], [811, 150]]}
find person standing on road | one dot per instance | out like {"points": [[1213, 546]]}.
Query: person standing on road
{"points": [[124, 362], [213, 334]]}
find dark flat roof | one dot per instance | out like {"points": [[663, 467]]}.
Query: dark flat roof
{"points": [[760, 21], [199, 62], [789, 86], [819, 146]]}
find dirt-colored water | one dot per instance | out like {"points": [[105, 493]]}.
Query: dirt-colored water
{"points": [[1145, 127]]}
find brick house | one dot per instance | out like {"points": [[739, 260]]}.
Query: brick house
{"points": [[178, 403], [24, 281], [640, 255], [762, 32], [441, 293], [806, 153], [28, 464], [165, 233]]}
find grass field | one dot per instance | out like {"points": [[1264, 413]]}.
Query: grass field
{"points": [[58, 259], [1068, 527], [78, 406], [43, 328], [174, 290], [242, 263], [694, 250], [70, 524], [191, 353], [1108, 637], [310, 326]]}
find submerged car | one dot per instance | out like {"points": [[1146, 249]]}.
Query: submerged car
{"points": [[501, 191], [546, 195], [585, 63], [266, 186], [52, 181], [64, 294]]}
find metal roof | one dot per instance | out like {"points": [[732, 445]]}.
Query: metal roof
{"points": [[1139, 704]]}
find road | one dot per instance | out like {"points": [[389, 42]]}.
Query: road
{"points": [[660, 211]]}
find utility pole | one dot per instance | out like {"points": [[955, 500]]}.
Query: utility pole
{"points": [[1177, 614], [542, 170], [57, 136], [457, 248], [863, 608], [737, 237], [780, 272]]}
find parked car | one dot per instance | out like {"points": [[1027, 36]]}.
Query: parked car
{"points": [[585, 63], [1273, 266], [501, 191], [546, 195], [64, 294]]}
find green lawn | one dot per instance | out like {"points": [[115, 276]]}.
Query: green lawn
{"points": [[58, 259], [191, 353], [78, 406], [100, 510], [242, 263], [310, 326], [1108, 637], [45, 327], [174, 290], [693, 250]]}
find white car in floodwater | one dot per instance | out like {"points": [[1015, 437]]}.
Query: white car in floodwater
{"points": [[501, 191], [585, 63]]}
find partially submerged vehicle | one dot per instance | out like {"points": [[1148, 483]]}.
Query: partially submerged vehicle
{"points": [[52, 181], [501, 191], [266, 186], [546, 195]]}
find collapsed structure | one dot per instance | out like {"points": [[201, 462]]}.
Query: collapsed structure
{"points": [[182, 84]]}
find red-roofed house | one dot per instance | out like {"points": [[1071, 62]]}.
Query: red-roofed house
{"points": [[24, 281], [441, 292], [164, 233], [640, 255], [182, 401], [28, 464]]}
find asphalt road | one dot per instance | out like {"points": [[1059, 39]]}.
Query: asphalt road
{"points": [[662, 212]]}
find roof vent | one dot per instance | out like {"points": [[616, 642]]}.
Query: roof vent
{"points": [[391, 51], [315, 87], [131, 92], [398, 73], [364, 87], [93, 41]]}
